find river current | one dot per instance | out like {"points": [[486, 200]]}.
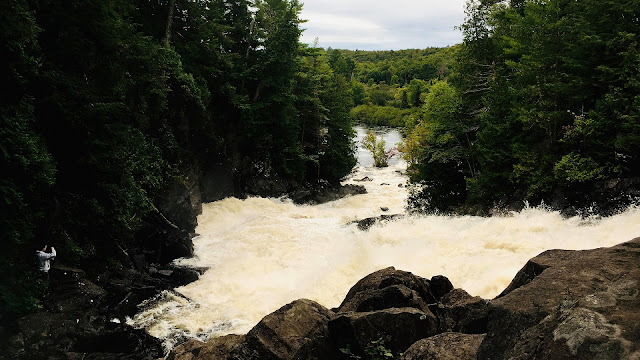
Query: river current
{"points": [[264, 253]]}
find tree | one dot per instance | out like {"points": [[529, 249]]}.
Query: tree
{"points": [[376, 147]]}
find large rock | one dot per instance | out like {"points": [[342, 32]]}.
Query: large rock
{"points": [[370, 293], [447, 346], [569, 305], [397, 328], [394, 296], [323, 193], [460, 312], [366, 224], [214, 349], [297, 331]]}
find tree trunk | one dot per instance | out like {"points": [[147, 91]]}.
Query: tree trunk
{"points": [[167, 33]]}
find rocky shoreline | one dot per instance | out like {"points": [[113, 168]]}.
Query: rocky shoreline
{"points": [[561, 305]]}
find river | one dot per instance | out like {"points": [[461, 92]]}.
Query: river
{"points": [[264, 253]]}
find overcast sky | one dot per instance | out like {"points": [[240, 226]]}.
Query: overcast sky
{"points": [[382, 24]]}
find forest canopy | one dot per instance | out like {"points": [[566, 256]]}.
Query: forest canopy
{"points": [[108, 103], [543, 98]]}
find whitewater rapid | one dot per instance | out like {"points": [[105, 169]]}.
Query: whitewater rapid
{"points": [[264, 253]]}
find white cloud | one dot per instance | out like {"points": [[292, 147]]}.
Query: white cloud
{"points": [[382, 24]]}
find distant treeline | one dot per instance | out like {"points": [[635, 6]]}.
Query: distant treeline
{"points": [[389, 87], [109, 102]]}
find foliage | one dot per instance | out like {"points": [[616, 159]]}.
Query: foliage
{"points": [[547, 101], [112, 102], [376, 147], [388, 87], [375, 350]]}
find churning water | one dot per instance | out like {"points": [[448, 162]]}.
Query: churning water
{"points": [[265, 253]]}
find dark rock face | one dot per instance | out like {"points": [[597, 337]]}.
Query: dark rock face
{"points": [[216, 182], [386, 278], [461, 312], [216, 349], [397, 327], [394, 296], [298, 330], [447, 346], [183, 203], [440, 286], [583, 305], [389, 305]]}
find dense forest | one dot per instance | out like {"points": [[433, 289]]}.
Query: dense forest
{"points": [[108, 103], [542, 101]]}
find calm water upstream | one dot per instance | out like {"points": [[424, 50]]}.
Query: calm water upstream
{"points": [[264, 253]]}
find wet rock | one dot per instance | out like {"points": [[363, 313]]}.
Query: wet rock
{"points": [[366, 224], [367, 293], [440, 286], [461, 312], [395, 296], [325, 193], [447, 346], [214, 349], [166, 273], [569, 305], [298, 330], [366, 178], [398, 328]]}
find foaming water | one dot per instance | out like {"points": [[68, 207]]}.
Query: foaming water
{"points": [[264, 253]]}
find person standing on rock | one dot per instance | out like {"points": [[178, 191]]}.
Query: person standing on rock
{"points": [[44, 260]]}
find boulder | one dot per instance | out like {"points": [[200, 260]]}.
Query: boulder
{"points": [[460, 312], [396, 328], [323, 193], [569, 305], [366, 224], [214, 349], [440, 286], [446, 346], [298, 330], [394, 296], [371, 298]]}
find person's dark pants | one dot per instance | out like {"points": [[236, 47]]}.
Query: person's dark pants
{"points": [[44, 275]]}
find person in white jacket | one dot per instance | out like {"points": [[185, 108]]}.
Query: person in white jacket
{"points": [[44, 259]]}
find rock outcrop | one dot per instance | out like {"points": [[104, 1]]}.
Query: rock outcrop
{"points": [[569, 305]]}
